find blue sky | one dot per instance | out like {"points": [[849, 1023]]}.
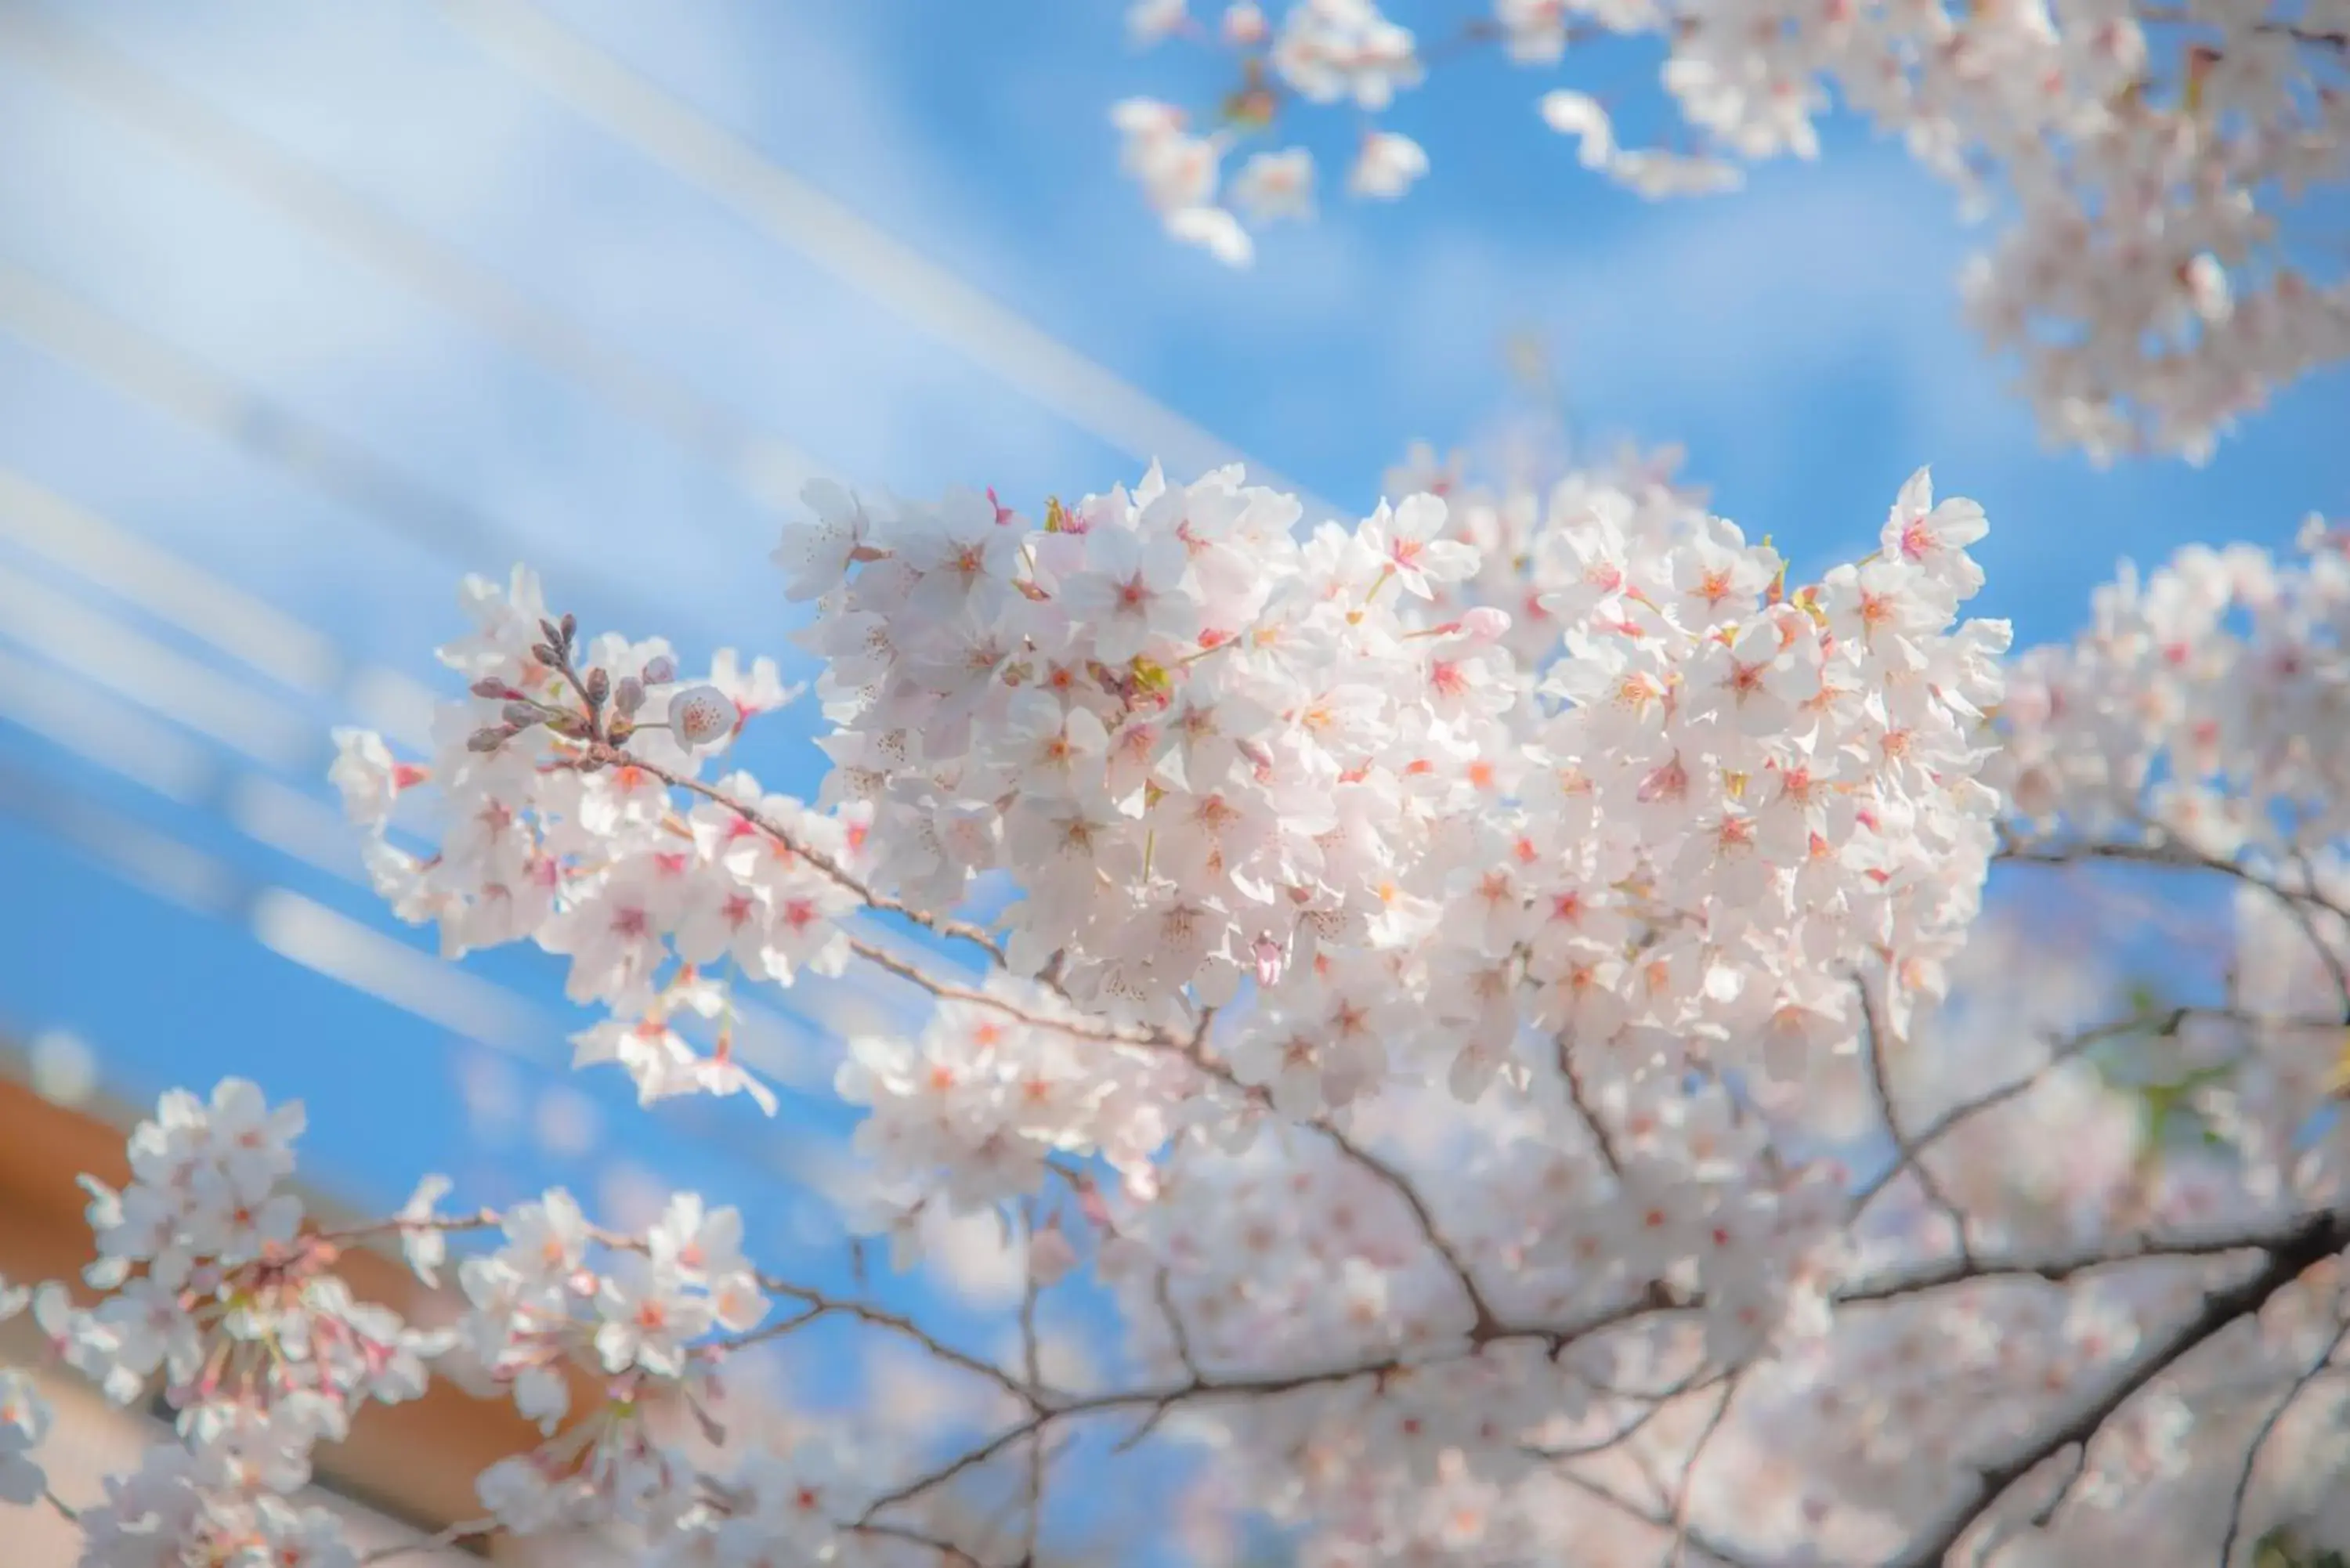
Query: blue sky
{"points": [[558, 346]]}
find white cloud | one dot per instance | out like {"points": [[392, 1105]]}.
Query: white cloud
{"points": [[972, 1258], [917, 1394], [1066, 1357], [1738, 312]]}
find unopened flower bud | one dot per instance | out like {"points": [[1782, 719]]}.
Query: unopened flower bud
{"points": [[521, 715], [552, 632], [570, 629], [1050, 1256], [1270, 959], [1484, 624], [629, 695], [491, 687], [661, 671], [488, 739], [545, 653], [599, 687], [702, 714]]}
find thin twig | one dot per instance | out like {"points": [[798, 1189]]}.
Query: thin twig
{"points": [[1487, 1324], [1685, 1488], [2060, 1052], [882, 958], [1591, 1122], [954, 1555], [1030, 1358], [1631, 1510], [2339, 43], [613, 756], [1904, 1154], [1555, 1337], [880, 1317], [2261, 1436], [2296, 905], [464, 1530]]}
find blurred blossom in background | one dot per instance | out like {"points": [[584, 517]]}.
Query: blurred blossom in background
{"points": [[307, 311]]}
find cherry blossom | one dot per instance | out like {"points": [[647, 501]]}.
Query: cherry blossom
{"points": [[1386, 166], [1273, 185], [25, 1419]]}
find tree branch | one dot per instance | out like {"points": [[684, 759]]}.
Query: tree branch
{"points": [[1488, 1325], [2312, 1241], [1906, 1154], [2261, 1436], [2297, 905], [614, 757]]}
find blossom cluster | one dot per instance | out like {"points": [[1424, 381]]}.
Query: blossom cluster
{"points": [[209, 1284], [2149, 157], [1597, 808], [647, 1323], [2203, 705], [589, 852], [1658, 796], [2201, 721], [208, 1275]]}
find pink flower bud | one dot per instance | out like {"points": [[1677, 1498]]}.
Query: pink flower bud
{"points": [[702, 714], [1050, 1256], [659, 671], [1484, 624]]}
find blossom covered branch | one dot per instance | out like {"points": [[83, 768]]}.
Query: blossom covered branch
{"points": [[1457, 969]]}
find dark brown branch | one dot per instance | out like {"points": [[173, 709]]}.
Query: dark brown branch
{"points": [[2259, 1440], [2057, 1268], [2312, 1241]]}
